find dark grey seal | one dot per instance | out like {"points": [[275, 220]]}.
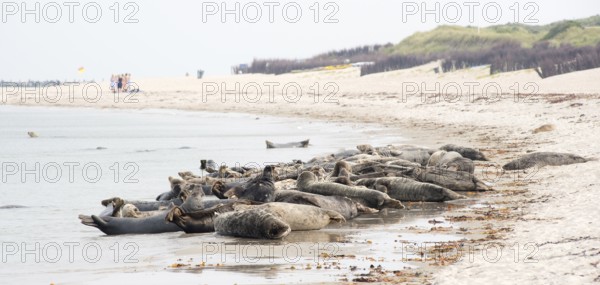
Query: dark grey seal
{"points": [[201, 221], [540, 159], [405, 189], [307, 182], [259, 189], [453, 180], [118, 226], [342, 205], [467, 152]]}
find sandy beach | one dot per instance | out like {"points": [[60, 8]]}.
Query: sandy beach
{"points": [[544, 228]]}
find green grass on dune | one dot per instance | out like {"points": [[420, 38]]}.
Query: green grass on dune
{"points": [[583, 32]]}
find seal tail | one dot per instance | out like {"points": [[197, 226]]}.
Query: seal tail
{"points": [[451, 195], [88, 221], [269, 144], [304, 143], [392, 203], [335, 216], [481, 185], [279, 231]]}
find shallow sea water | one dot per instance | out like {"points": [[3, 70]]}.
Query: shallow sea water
{"points": [[85, 155]]}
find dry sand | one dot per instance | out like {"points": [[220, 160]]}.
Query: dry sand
{"points": [[553, 225]]}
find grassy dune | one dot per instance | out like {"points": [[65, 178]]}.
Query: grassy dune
{"points": [[582, 32]]}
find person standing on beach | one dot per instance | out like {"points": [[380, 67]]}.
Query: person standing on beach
{"points": [[113, 83], [120, 83], [126, 81]]}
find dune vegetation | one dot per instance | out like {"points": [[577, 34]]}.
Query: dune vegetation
{"points": [[552, 49]]}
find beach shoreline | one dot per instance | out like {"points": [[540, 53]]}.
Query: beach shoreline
{"points": [[551, 210]]}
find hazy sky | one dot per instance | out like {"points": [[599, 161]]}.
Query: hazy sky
{"points": [[172, 38]]}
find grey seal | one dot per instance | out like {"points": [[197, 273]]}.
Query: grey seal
{"points": [[467, 152], [117, 226], [405, 189], [345, 206], [251, 223], [301, 144], [540, 159], [307, 182]]}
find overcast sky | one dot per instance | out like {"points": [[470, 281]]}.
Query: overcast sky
{"points": [[171, 38]]}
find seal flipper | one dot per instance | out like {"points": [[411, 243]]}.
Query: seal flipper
{"points": [[176, 211], [176, 216], [218, 189], [105, 202], [117, 205], [87, 220], [481, 185], [279, 231], [99, 223], [335, 216], [364, 209]]}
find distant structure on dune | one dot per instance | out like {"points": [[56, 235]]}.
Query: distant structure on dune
{"points": [[242, 68]]}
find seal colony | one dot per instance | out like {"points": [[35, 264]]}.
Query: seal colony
{"points": [[271, 202]]}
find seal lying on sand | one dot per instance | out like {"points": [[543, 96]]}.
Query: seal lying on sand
{"points": [[287, 145], [467, 152], [412, 154], [299, 217], [273, 220], [307, 182], [201, 221], [441, 156], [131, 211], [405, 189], [460, 164], [453, 180], [451, 160], [251, 223], [143, 205], [141, 222], [260, 189], [540, 159], [348, 208], [419, 156], [117, 226]]}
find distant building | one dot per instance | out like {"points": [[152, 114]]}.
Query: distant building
{"points": [[240, 69]]}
